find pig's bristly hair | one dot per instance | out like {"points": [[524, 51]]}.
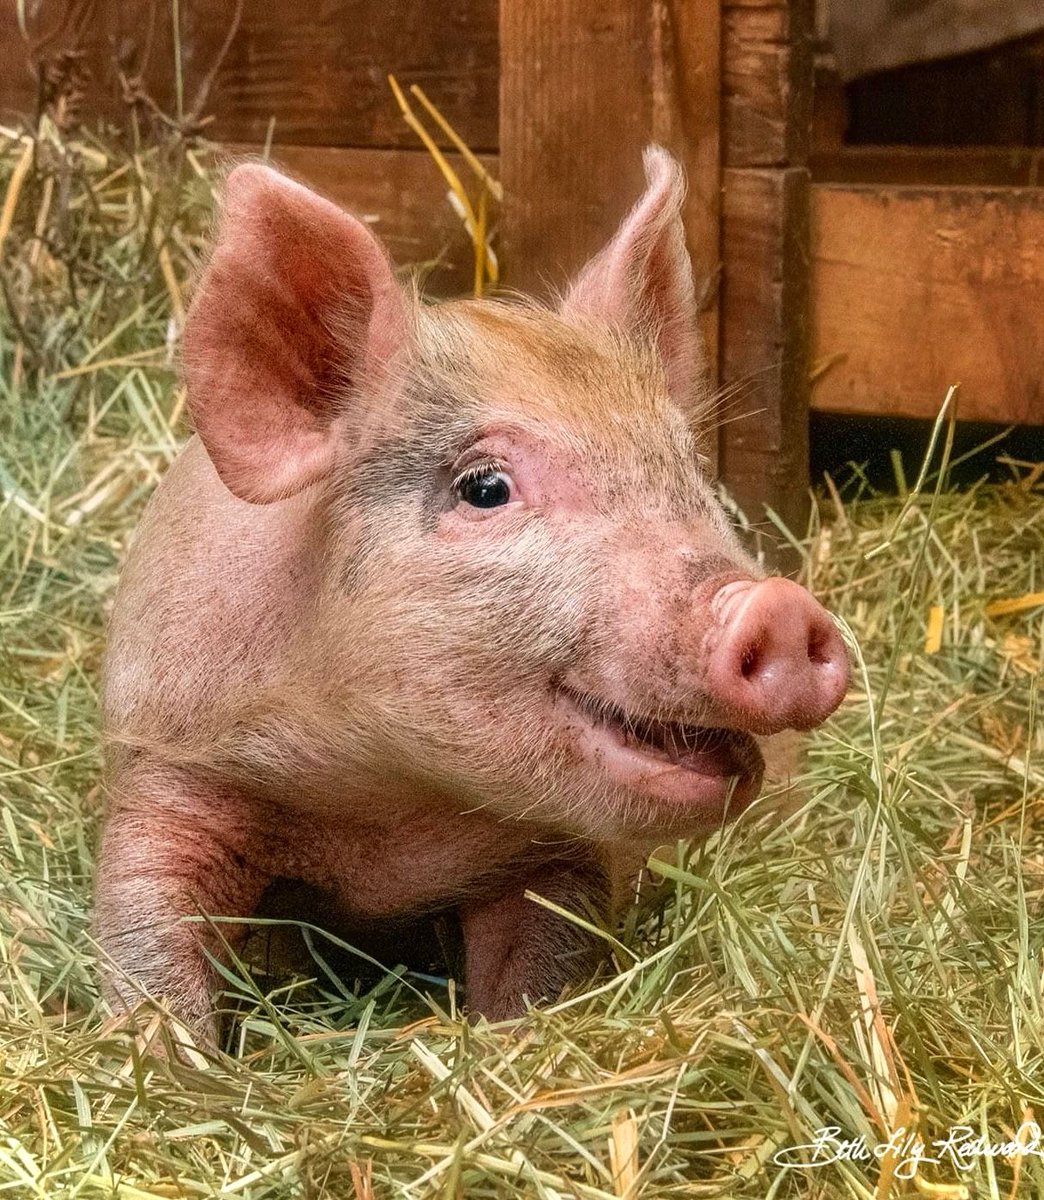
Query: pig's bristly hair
{"points": [[642, 284], [600, 389], [587, 385], [610, 377]]}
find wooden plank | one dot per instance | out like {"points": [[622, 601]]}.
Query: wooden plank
{"points": [[585, 85], [973, 166], [318, 71], [767, 88], [918, 288], [766, 83], [765, 348], [401, 196], [689, 123]]}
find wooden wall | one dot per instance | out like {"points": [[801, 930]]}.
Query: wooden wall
{"points": [[765, 348], [881, 291], [318, 69], [919, 287], [310, 78], [928, 237]]}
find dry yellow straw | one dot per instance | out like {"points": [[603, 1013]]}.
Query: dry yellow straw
{"points": [[1003, 608], [475, 222], [14, 188], [462, 147], [933, 636]]}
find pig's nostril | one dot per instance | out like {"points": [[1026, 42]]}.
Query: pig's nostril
{"points": [[779, 662], [818, 646]]}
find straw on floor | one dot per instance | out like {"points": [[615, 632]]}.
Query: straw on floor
{"points": [[872, 962]]}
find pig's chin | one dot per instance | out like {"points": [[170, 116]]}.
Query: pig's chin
{"points": [[710, 774]]}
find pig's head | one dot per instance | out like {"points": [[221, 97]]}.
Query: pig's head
{"points": [[532, 600]]}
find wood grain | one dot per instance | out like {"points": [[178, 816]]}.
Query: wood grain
{"points": [[918, 288], [765, 315], [576, 108], [318, 71], [585, 85], [971, 166], [767, 91], [767, 106]]}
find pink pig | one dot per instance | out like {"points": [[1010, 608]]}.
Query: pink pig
{"points": [[437, 607]]}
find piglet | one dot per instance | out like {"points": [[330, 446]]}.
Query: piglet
{"points": [[437, 606]]}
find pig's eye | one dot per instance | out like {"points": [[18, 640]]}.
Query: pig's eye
{"points": [[485, 486]]}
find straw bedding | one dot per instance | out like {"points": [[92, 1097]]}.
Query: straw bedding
{"points": [[872, 962]]}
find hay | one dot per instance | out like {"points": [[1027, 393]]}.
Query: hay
{"points": [[872, 962]]}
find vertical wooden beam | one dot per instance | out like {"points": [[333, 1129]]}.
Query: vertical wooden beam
{"points": [[766, 116], [584, 86]]}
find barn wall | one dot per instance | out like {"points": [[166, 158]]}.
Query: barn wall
{"points": [[310, 79], [318, 69]]}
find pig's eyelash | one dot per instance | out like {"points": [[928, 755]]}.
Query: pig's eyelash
{"points": [[475, 470]]}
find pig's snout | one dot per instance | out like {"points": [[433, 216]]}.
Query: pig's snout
{"points": [[775, 660]]}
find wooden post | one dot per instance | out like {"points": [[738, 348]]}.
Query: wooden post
{"points": [[584, 86], [764, 348]]}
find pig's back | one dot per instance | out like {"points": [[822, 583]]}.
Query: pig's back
{"points": [[212, 589]]}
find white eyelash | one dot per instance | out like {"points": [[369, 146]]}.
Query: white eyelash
{"points": [[476, 470]]}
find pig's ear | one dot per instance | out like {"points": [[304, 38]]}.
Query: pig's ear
{"points": [[642, 281], [297, 306]]}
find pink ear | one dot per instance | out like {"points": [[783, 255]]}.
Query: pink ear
{"points": [[642, 281], [297, 307]]}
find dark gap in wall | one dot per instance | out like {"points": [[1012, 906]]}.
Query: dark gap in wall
{"points": [[993, 97], [838, 440]]}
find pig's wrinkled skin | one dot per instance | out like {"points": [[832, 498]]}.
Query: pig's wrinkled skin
{"points": [[331, 659]]}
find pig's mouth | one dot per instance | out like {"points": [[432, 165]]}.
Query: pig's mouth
{"points": [[707, 767]]}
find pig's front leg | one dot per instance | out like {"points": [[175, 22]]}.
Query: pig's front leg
{"points": [[517, 950], [173, 848]]}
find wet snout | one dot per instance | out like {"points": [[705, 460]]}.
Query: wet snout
{"points": [[774, 657]]}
